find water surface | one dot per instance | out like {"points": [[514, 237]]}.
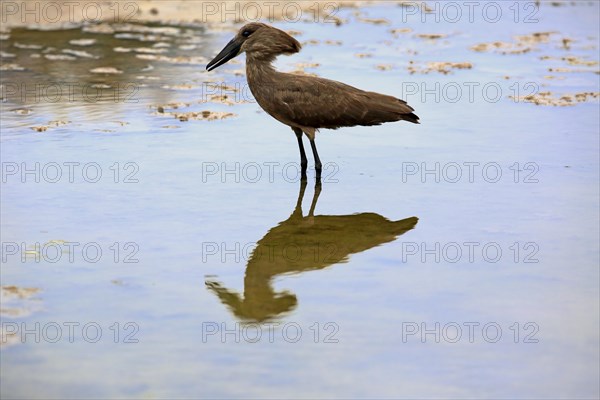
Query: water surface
{"points": [[188, 202]]}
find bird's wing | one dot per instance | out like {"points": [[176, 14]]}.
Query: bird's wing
{"points": [[323, 103]]}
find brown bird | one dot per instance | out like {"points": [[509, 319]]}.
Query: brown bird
{"points": [[305, 103]]}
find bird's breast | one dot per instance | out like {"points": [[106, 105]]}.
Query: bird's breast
{"points": [[266, 96]]}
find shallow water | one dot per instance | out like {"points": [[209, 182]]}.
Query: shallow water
{"points": [[181, 206]]}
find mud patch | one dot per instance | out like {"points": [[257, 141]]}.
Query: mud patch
{"points": [[18, 301], [400, 31], [442, 67], [431, 36], [50, 124], [198, 60], [522, 44], [565, 100], [384, 67], [198, 115], [59, 57], [11, 67], [106, 70], [82, 42], [79, 53]]}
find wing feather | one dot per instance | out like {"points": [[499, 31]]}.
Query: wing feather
{"points": [[323, 103]]}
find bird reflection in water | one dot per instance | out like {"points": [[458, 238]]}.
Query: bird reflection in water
{"points": [[301, 244]]}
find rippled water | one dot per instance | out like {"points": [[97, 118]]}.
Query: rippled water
{"points": [[206, 231]]}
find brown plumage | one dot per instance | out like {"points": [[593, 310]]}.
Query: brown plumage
{"points": [[305, 103]]}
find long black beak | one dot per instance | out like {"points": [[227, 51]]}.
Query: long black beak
{"points": [[231, 50]]}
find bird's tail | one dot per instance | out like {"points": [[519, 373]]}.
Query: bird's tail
{"points": [[388, 108], [404, 225], [412, 117]]}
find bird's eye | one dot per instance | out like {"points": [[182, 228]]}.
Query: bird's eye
{"points": [[246, 33]]}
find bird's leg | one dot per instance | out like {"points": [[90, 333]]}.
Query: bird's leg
{"points": [[298, 210], [311, 212], [318, 166], [303, 159]]}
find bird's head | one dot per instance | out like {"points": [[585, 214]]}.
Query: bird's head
{"points": [[258, 41]]}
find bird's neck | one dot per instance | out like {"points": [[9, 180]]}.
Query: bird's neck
{"points": [[259, 70]]}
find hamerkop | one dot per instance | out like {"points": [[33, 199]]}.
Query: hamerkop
{"points": [[300, 244], [305, 103]]}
